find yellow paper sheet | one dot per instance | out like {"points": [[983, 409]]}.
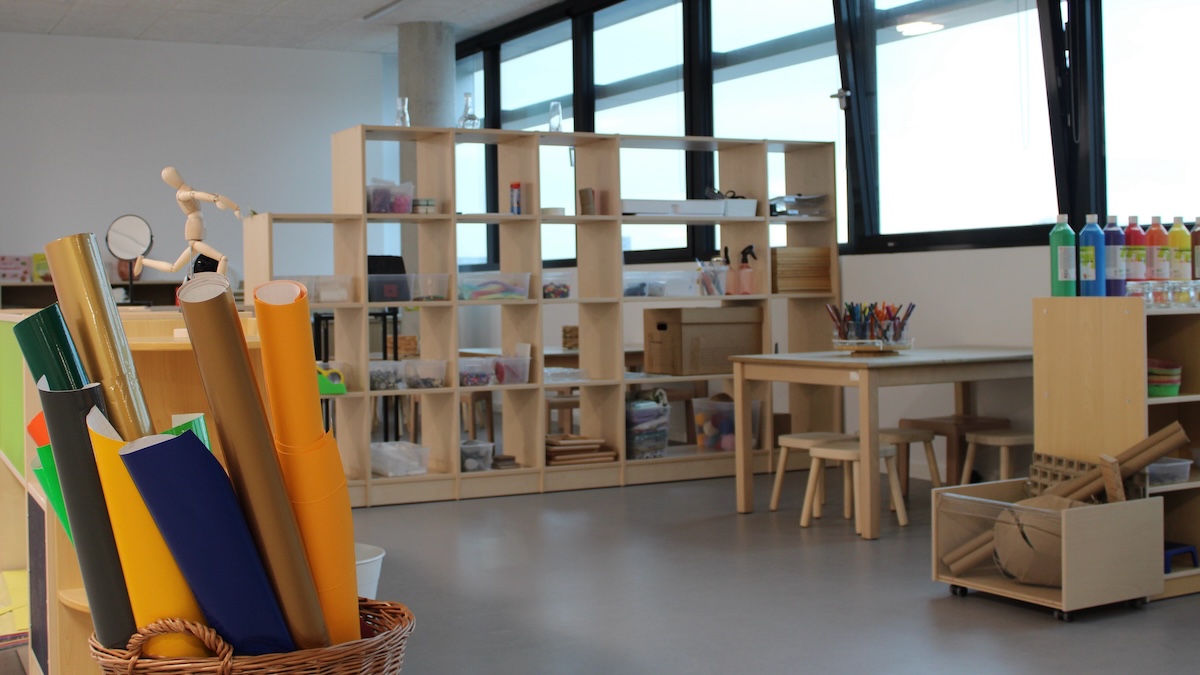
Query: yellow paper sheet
{"points": [[308, 456], [156, 587]]}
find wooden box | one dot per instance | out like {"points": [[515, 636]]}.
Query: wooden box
{"points": [[1109, 552], [798, 269], [699, 340]]}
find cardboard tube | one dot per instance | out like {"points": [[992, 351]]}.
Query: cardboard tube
{"points": [[1073, 485], [157, 589], [193, 504], [228, 377], [99, 563], [308, 457], [88, 308]]}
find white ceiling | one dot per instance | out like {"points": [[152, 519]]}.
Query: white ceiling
{"points": [[335, 25]]}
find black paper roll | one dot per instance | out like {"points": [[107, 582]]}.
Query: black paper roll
{"points": [[95, 546]]}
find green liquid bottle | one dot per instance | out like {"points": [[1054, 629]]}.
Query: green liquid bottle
{"points": [[1062, 259]]}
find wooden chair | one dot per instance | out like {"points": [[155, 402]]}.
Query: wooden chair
{"points": [[955, 428], [474, 402], [801, 441], [902, 438], [848, 451], [1004, 439]]}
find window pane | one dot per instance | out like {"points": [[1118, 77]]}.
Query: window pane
{"points": [[535, 70], [639, 90], [1148, 53], [964, 137], [752, 58], [470, 169]]}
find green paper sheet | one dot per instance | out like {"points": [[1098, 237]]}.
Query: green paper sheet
{"points": [[48, 477], [197, 426]]}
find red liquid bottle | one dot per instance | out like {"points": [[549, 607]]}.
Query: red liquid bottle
{"points": [[1135, 251]]}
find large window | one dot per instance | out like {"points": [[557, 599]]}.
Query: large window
{"points": [[1150, 107], [639, 90], [470, 167], [964, 137]]}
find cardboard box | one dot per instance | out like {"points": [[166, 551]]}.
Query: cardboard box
{"points": [[699, 340]]}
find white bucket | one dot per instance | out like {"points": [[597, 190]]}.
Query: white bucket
{"points": [[369, 560]]}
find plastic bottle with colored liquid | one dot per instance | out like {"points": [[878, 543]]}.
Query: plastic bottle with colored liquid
{"points": [[1135, 251], [1092, 269], [1062, 259], [1158, 251], [1114, 258], [1180, 242], [1196, 249]]}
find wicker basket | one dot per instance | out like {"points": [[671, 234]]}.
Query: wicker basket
{"points": [[386, 626]]}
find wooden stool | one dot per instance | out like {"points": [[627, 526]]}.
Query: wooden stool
{"points": [[562, 406], [469, 402], [1005, 439], [955, 428], [902, 438], [802, 441], [848, 451]]}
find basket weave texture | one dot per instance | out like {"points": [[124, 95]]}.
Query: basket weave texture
{"points": [[386, 627]]}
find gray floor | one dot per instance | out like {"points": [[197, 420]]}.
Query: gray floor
{"points": [[668, 579]]}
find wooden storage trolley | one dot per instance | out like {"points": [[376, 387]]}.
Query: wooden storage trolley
{"points": [[1109, 552]]}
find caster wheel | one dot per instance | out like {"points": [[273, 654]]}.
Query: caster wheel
{"points": [[1065, 617], [960, 591], [1136, 603]]}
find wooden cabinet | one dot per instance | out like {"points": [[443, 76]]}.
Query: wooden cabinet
{"points": [[1090, 395], [430, 247]]}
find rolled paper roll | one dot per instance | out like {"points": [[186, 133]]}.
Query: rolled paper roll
{"points": [[157, 589], [308, 456], [99, 563], [47, 473], [49, 350], [88, 308], [193, 504], [249, 449]]}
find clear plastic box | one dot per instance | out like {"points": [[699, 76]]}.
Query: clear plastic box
{"points": [[558, 285], [512, 369], [399, 458], [493, 286], [715, 425], [475, 372], [408, 287], [647, 425], [659, 283], [334, 288], [1168, 470], [386, 375], [424, 373], [741, 208], [476, 455]]}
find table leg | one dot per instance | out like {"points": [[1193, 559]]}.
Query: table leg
{"points": [[964, 404], [868, 492], [743, 461]]}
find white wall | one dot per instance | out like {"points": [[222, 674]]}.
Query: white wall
{"points": [[87, 125]]}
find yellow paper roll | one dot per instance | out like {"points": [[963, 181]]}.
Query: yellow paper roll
{"points": [[85, 298], [308, 456], [155, 585]]}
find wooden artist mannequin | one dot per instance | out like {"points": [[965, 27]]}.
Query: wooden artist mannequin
{"points": [[193, 228]]}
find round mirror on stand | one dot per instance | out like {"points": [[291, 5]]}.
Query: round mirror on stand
{"points": [[129, 237]]}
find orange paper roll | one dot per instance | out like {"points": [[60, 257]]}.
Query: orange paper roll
{"points": [[226, 372], [85, 298], [157, 589], [308, 456]]}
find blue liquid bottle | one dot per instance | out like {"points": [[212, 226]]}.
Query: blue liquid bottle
{"points": [[1114, 258], [1091, 258], [1062, 259]]}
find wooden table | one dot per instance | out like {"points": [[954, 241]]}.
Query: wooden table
{"points": [[958, 365]]}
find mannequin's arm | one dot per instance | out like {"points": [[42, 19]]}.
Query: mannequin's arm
{"points": [[221, 202]]}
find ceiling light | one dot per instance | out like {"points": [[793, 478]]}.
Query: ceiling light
{"points": [[382, 10], [918, 28]]}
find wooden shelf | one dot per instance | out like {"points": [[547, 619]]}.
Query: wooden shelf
{"points": [[74, 598]]}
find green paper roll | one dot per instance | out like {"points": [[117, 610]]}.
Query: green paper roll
{"points": [[49, 350], [53, 489], [196, 425]]}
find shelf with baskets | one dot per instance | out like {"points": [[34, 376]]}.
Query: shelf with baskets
{"points": [[594, 295]]}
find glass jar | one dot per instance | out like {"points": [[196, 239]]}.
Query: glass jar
{"points": [[468, 120], [402, 111]]}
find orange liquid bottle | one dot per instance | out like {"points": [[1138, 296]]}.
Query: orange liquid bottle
{"points": [[1158, 253]]}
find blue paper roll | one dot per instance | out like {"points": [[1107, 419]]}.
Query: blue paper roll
{"points": [[192, 502]]}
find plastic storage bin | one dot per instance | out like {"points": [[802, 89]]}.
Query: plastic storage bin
{"points": [[715, 425], [659, 284], [476, 455], [558, 285], [334, 288], [475, 372], [647, 424], [512, 369], [408, 287], [386, 375], [424, 373], [493, 286], [399, 458], [741, 208], [1168, 470]]}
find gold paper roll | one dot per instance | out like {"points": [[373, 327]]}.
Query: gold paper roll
{"points": [[85, 298], [241, 422]]}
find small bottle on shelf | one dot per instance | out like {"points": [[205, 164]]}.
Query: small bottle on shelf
{"points": [[514, 198], [1062, 259], [1180, 242], [1114, 258], [1091, 258], [1158, 253], [1135, 251], [1196, 248]]}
